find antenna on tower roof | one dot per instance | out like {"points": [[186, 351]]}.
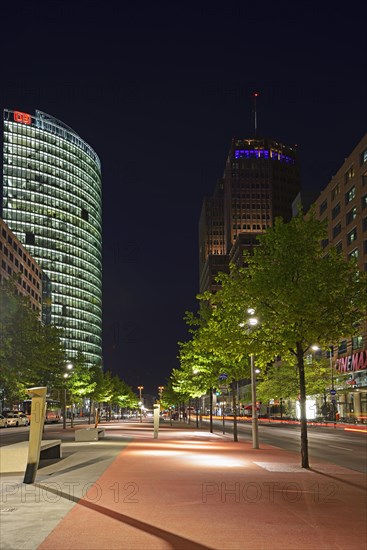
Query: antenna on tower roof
{"points": [[255, 95]]}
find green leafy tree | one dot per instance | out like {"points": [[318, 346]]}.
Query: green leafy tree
{"points": [[104, 390], [30, 354], [111, 390], [282, 380], [301, 297], [169, 397], [212, 352], [123, 396], [81, 382]]}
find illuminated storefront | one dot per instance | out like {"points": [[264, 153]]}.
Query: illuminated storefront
{"points": [[52, 203], [352, 386], [343, 205]]}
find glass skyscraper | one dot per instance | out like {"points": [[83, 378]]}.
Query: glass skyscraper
{"points": [[52, 203]]}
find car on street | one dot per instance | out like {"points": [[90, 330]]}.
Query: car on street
{"points": [[3, 423], [16, 419]]}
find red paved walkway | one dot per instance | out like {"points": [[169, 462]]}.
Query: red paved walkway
{"points": [[192, 490]]}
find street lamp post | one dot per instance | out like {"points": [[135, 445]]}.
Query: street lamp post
{"points": [[333, 408], [140, 388], [255, 424], [332, 391], [253, 321], [69, 367]]}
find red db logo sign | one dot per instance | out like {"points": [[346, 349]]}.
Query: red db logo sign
{"points": [[24, 118]]}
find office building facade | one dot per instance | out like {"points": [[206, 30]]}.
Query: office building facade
{"points": [[212, 247], [261, 179], [343, 203], [52, 203], [17, 263]]}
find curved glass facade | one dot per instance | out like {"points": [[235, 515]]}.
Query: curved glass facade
{"points": [[52, 202]]}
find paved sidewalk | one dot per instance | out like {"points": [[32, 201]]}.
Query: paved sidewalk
{"points": [[188, 490]]}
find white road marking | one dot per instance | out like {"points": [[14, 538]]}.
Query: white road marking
{"points": [[344, 448]]}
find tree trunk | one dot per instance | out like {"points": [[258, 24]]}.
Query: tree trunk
{"points": [[234, 407], [302, 390], [211, 411]]}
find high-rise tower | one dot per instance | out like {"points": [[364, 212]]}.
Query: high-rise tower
{"points": [[261, 180], [52, 203], [212, 249]]}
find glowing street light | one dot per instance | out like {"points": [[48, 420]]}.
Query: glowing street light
{"points": [[252, 322]]}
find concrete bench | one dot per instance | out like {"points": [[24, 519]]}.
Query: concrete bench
{"points": [[89, 434], [13, 458]]}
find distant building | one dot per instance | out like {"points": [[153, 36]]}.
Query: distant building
{"points": [[343, 203], [260, 182], [212, 247], [15, 261], [52, 203]]}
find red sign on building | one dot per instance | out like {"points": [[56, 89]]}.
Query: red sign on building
{"points": [[357, 361], [24, 118]]}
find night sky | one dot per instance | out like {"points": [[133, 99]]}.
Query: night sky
{"points": [[159, 89]]}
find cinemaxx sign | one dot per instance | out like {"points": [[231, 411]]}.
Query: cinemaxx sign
{"points": [[354, 362]]}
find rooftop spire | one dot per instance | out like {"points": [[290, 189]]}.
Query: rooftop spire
{"points": [[255, 96]]}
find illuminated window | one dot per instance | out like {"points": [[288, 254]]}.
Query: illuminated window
{"points": [[357, 342], [352, 235], [353, 254], [335, 191], [351, 215], [349, 174], [350, 195], [363, 157]]}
